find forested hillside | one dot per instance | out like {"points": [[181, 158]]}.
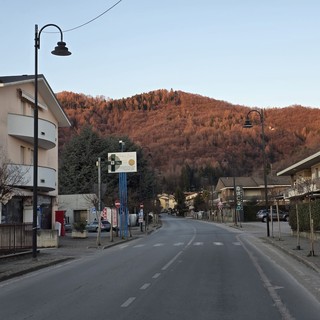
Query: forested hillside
{"points": [[182, 129]]}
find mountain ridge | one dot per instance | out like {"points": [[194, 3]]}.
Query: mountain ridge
{"points": [[182, 128]]}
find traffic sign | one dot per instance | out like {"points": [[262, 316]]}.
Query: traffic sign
{"points": [[117, 204]]}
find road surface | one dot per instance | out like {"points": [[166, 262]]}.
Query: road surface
{"points": [[188, 269]]}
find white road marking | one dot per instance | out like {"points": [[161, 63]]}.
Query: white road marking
{"points": [[139, 246], [178, 244], [285, 313], [218, 243], [198, 243], [237, 243], [158, 245], [128, 302], [145, 286], [171, 261], [123, 246], [157, 275]]}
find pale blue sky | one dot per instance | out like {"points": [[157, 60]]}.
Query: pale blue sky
{"points": [[257, 53]]}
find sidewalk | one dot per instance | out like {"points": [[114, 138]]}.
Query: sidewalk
{"points": [[69, 248], [285, 241]]}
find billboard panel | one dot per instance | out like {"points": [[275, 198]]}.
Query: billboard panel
{"points": [[122, 162]]}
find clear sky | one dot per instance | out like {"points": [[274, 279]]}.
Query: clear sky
{"points": [[257, 53]]}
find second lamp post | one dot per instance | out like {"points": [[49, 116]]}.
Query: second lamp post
{"points": [[248, 124]]}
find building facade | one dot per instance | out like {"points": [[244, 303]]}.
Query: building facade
{"points": [[17, 147], [253, 189], [305, 178]]}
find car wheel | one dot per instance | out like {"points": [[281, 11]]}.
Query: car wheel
{"points": [[264, 219]]}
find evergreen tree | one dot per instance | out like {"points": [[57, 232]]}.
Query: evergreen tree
{"points": [[181, 202], [78, 172]]}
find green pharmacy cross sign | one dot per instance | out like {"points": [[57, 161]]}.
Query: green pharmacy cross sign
{"points": [[122, 162], [114, 162]]}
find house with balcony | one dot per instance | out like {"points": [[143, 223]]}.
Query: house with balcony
{"points": [[304, 178], [16, 144], [252, 190]]}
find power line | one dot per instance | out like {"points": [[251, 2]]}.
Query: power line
{"points": [[97, 17]]}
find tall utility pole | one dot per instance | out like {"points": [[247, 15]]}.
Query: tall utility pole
{"points": [[98, 164]]}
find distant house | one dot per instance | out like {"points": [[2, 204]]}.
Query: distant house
{"points": [[167, 201], [190, 196], [304, 178], [253, 189], [16, 144]]}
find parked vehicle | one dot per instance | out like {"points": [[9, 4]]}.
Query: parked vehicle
{"points": [[262, 215], [93, 226]]}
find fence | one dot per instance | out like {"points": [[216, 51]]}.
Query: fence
{"points": [[15, 237]]}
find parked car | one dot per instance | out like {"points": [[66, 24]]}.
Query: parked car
{"points": [[262, 215], [93, 226]]}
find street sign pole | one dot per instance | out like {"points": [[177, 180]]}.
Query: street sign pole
{"points": [[117, 205]]}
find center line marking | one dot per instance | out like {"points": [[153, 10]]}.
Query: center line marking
{"points": [[171, 261], [157, 275], [145, 286], [128, 302]]}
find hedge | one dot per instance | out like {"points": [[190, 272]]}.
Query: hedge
{"points": [[304, 219]]}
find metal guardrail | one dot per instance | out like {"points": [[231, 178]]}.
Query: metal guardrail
{"points": [[15, 237]]}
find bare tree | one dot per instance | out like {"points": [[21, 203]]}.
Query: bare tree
{"points": [[11, 178], [95, 202]]}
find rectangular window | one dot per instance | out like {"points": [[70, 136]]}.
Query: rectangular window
{"points": [[22, 154], [31, 156], [23, 107]]}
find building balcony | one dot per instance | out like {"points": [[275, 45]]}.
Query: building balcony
{"points": [[22, 127], [22, 177], [304, 188]]}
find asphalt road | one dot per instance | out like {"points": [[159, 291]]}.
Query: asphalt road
{"points": [[186, 270]]}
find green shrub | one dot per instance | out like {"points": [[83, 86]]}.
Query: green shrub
{"points": [[304, 220], [80, 226]]}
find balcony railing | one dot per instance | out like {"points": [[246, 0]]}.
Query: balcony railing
{"points": [[47, 178], [303, 188], [21, 127]]}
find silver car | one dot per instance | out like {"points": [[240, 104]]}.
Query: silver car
{"points": [[93, 226], [262, 215]]}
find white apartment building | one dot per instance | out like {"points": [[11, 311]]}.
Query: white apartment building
{"points": [[16, 143]]}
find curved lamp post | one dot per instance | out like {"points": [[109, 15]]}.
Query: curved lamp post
{"points": [[59, 50], [248, 124]]}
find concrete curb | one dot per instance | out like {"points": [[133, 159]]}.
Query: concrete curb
{"points": [[293, 255]]}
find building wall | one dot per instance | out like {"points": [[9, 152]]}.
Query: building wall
{"points": [[20, 152], [77, 205]]}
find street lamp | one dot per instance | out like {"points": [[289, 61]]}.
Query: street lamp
{"points": [[59, 50], [248, 124]]}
